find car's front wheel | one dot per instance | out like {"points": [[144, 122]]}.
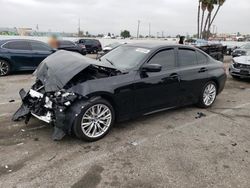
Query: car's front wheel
{"points": [[94, 121], [208, 95], [4, 68]]}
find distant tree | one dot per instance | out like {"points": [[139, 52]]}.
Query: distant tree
{"points": [[100, 35], [109, 34], [125, 34]]}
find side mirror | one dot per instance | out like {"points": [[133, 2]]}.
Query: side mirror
{"points": [[151, 68]]}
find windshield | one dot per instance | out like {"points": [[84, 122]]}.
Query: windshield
{"points": [[246, 46], [125, 57]]}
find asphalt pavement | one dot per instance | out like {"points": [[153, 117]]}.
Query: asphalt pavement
{"points": [[175, 148]]}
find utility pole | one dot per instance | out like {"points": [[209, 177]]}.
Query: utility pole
{"points": [[138, 29], [149, 30], [79, 27]]}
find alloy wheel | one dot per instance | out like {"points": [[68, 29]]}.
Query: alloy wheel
{"points": [[4, 68], [96, 120], [209, 94]]}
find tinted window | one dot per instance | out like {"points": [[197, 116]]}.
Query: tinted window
{"points": [[165, 58], [187, 57], [201, 58], [18, 45], [89, 42], [39, 46]]}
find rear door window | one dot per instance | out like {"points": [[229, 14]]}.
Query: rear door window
{"points": [[18, 45], [201, 58], [187, 57], [39, 46], [89, 42], [165, 58]]}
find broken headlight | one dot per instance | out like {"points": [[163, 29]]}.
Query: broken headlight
{"points": [[63, 98]]}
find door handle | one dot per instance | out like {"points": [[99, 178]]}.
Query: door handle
{"points": [[203, 69]]}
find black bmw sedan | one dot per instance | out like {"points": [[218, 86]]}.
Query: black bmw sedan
{"points": [[86, 97], [22, 55]]}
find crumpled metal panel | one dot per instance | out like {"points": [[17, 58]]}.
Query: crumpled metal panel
{"points": [[59, 68]]}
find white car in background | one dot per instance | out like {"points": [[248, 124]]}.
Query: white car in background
{"points": [[240, 68], [112, 46]]}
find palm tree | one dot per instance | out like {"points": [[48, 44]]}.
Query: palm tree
{"points": [[204, 4], [210, 8], [198, 19], [220, 3]]}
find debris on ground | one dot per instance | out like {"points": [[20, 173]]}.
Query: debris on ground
{"points": [[234, 144], [19, 144], [134, 143], [200, 115], [36, 139], [22, 130], [231, 101], [12, 100], [52, 157]]}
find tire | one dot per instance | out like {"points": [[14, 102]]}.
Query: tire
{"points": [[95, 50], [210, 89], [88, 122], [4, 67]]}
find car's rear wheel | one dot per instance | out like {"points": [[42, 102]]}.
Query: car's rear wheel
{"points": [[4, 68], [208, 95], [94, 121]]}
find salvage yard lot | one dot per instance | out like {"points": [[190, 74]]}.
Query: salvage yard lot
{"points": [[175, 148]]}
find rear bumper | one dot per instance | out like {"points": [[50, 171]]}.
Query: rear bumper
{"points": [[222, 83]]}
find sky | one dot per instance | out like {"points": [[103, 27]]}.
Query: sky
{"points": [[102, 16]]}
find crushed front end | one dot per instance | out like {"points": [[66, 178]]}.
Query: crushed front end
{"points": [[49, 107], [60, 90]]}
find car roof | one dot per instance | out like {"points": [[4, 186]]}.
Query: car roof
{"points": [[89, 39], [157, 45], [12, 40]]}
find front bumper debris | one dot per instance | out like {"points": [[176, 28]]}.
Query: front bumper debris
{"points": [[51, 108]]}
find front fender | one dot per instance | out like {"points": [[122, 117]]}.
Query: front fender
{"points": [[65, 120]]}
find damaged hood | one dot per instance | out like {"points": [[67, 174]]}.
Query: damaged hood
{"points": [[243, 60], [59, 68]]}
